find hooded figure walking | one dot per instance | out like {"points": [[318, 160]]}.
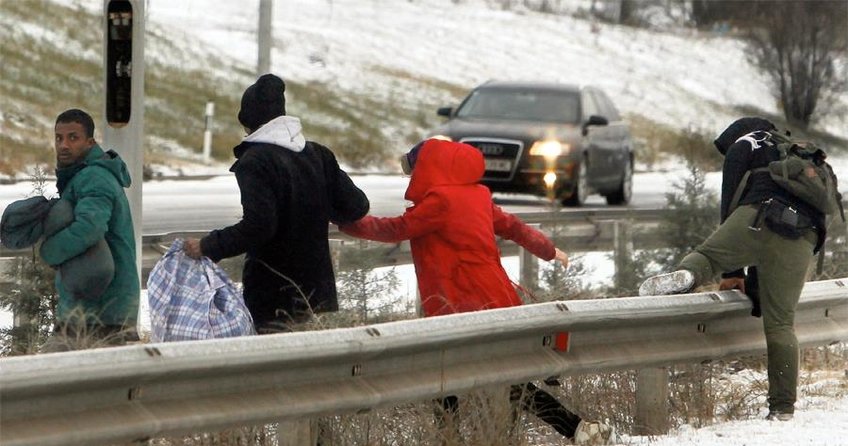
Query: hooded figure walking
{"points": [[451, 228], [291, 189]]}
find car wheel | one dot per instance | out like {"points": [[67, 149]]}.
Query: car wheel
{"points": [[625, 190], [581, 187]]}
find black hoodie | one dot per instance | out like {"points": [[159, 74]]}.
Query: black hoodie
{"points": [[291, 189], [746, 145]]}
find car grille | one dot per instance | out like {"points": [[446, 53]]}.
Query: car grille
{"points": [[502, 156]]}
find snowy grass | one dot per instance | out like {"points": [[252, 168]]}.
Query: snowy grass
{"points": [[367, 78]]}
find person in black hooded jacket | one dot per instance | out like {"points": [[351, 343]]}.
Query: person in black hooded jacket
{"points": [[291, 189], [750, 236]]}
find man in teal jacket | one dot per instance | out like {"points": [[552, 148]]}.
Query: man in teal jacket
{"points": [[93, 181]]}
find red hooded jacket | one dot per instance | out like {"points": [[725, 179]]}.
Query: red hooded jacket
{"points": [[451, 227]]}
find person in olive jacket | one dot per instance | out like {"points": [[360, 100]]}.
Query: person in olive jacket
{"points": [[92, 181], [780, 250], [291, 189]]}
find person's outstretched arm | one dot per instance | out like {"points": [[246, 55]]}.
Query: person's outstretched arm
{"points": [[737, 161], [512, 228], [348, 203], [426, 217], [259, 220]]}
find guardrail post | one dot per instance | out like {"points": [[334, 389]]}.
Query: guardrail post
{"points": [[336, 247], [622, 251], [528, 265], [651, 417], [297, 433], [23, 337], [7, 272]]}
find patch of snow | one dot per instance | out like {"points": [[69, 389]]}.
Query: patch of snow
{"points": [[823, 422]]}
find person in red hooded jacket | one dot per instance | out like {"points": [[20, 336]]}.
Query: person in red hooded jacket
{"points": [[451, 228]]}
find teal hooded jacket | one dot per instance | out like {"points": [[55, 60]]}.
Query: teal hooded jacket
{"points": [[95, 189]]}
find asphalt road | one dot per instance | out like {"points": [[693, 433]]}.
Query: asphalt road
{"points": [[210, 203]]}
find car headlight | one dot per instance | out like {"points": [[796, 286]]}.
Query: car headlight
{"points": [[550, 149], [549, 179]]}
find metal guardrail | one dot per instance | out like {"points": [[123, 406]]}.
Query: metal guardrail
{"points": [[578, 231], [585, 216], [144, 391], [586, 230], [578, 221]]}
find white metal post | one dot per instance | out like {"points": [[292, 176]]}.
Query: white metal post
{"points": [[264, 37], [622, 251], [124, 132], [528, 265]]}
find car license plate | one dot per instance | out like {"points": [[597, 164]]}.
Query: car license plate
{"points": [[498, 165]]}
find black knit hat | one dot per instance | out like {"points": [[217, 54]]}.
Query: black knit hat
{"points": [[738, 129], [262, 102]]}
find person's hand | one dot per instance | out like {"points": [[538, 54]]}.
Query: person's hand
{"points": [[191, 246], [732, 283], [561, 257]]}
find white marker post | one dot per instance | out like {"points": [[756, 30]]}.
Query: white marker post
{"points": [[207, 133]]}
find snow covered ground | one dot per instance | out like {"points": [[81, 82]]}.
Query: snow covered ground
{"points": [[817, 422], [679, 78]]}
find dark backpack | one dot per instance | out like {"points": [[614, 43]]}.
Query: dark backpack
{"points": [[803, 171]]}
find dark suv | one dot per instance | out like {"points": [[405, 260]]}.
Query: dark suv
{"points": [[526, 130]]}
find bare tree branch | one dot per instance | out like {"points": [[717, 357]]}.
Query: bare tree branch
{"points": [[799, 44]]}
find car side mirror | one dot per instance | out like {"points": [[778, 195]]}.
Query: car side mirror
{"points": [[445, 111], [595, 120]]}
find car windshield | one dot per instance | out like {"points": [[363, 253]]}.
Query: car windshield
{"points": [[525, 105]]}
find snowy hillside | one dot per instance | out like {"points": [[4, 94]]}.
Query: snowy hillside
{"points": [[408, 51], [367, 75], [392, 62]]}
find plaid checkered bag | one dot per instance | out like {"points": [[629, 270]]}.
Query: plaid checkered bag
{"points": [[194, 299]]}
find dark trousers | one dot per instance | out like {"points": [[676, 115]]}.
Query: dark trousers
{"points": [[534, 400], [782, 266]]}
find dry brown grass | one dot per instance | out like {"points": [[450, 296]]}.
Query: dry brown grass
{"points": [[699, 395]]}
